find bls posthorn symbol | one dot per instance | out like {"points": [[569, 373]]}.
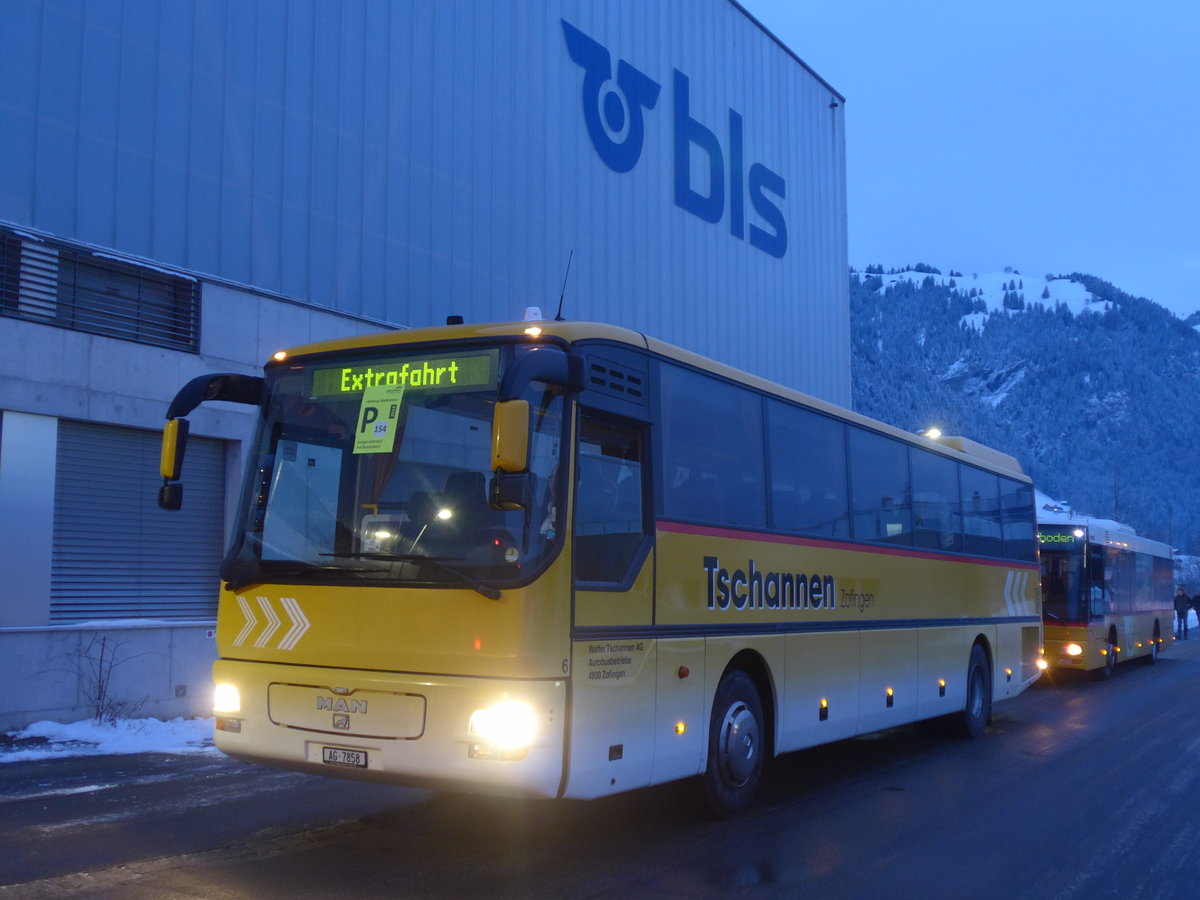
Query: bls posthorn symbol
{"points": [[612, 111]]}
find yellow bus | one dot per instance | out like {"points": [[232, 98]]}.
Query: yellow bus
{"points": [[1107, 594], [566, 560]]}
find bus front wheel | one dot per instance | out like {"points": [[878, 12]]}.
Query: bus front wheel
{"points": [[978, 709], [1111, 652], [735, 745], [1155, 643]]}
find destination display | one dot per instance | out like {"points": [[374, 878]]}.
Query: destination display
{"points": [[437, 374]]}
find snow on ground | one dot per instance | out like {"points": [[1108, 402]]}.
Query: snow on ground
{"points": [[50, 740]]}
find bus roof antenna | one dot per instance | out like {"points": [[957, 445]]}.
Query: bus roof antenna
{"points": [[558, 317]]}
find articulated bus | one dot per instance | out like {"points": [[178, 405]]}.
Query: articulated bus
{"points": [[1106, 594], [559, 559]]}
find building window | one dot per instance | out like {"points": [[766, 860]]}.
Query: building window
{"points": [[59, 284]]}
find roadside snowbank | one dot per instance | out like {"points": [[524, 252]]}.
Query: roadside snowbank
{"points": [[50, 740]]}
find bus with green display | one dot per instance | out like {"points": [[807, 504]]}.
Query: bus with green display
{"points": [[1107, 595], [566, 560]]}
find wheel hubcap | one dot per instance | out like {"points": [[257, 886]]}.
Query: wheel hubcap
{"points": [[738, 746], [975, 702]]}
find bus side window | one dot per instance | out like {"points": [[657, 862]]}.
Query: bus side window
{"points": [[712, 435], [880, 493], [609, 493], [808, 471]]}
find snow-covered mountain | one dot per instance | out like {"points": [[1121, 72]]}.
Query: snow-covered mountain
{"points": [[1097, 393]]}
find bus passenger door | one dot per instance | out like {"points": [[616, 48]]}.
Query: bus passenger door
{"points": [[613, 657]]}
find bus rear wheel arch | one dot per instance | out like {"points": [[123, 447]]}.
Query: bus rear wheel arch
{"points": [[737, 744]]}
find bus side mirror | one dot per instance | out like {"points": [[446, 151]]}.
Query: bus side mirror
{"points": [[510, 436], [170, 495], [510, 486], [174, 443], [511, 490]]}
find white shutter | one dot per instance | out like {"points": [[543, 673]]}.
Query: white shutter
{"points": [[116, 554]]}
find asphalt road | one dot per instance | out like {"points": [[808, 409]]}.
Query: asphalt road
{"points": [[1080, 789]]}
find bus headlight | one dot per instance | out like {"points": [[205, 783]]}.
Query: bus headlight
{"points": [[226, 699], [1073, 650], [505, 731]]}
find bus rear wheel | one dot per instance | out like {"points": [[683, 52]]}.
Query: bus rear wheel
{"points": [[735, 745], [977, 712]]}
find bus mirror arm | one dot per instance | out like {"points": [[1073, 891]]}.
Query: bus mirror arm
{"points": [[231, 388], [228, 387], [549, 364]]}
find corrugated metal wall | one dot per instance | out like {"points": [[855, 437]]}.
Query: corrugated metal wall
{"points": [[405, 160]]}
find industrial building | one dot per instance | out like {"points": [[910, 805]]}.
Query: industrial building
{"points": [[188, 187]]}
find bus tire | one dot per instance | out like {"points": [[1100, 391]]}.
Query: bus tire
{"points": [[1155, 643], [735, 745], [977, 711], [1106, 671]]}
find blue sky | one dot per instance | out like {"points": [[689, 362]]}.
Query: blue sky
{"points": [[1052, 136]]}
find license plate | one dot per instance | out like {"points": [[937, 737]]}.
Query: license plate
{"points": [[338, 756]]}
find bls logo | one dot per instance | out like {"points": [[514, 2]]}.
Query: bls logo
{"points": [[614, 114], [614, 118]]}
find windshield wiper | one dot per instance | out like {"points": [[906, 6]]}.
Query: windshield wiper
{"points": [[438, 562], [243, 576]]}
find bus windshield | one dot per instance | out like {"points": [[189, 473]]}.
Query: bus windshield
{"points": [[1062, 586], [376, 470]]}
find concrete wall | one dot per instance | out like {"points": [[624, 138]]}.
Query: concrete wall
{"points": [[68, 673]]}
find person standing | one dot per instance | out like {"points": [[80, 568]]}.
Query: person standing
{"points": [[1182, 605]]}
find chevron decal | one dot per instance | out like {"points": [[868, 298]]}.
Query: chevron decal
{"points": [[1016, 586], [298, 623]]}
